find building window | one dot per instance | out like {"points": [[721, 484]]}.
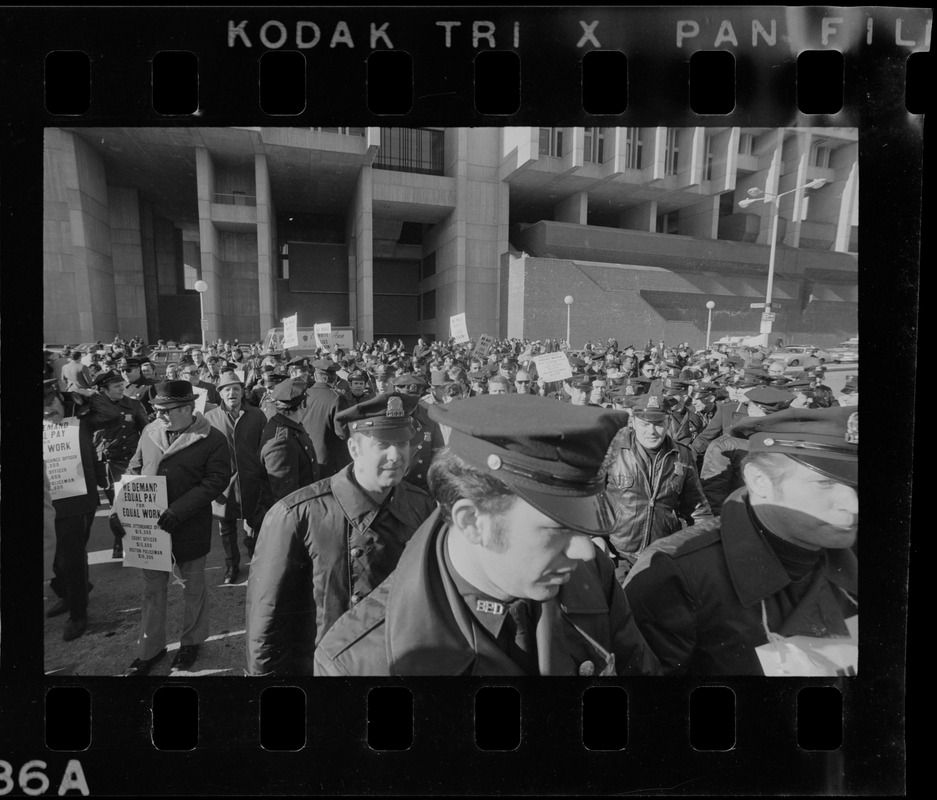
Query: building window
{"points": [[551, 141], [594, 145], [633, 147], [428, 266], [820, 155], [418, 150], [671, 153], [343, 131], [746, 142], [428, 305], [726, 204]]}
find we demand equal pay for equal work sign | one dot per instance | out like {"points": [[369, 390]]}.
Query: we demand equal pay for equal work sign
{"points": [[139, 503]]}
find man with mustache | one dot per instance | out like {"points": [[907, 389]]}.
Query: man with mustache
{"points": [[324, 548], [781, 563], [504, 578]]}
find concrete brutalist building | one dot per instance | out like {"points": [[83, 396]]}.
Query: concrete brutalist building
{"points": [[393, 230]]}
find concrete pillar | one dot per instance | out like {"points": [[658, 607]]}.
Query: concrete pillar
{"points": [[266, 246], [212, 266], [701, 219], [362, 228], [78, 272], [127, 258], [150, 280], [574, 208]]}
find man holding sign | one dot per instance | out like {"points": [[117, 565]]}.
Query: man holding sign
{"points": [[182, 446]]}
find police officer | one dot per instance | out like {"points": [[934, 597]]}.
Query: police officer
{"points": [[323, 404], [684, 423], [116, 442], [324, 548], [287, 452], [781, 561], [654, 482], [383, 379], [360, 387], [137, 387], [722, 465], [503, 578]]}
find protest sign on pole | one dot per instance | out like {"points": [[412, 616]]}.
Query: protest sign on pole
{"points": [[553, 367], [458, 328], [483, 347], [62, 455], [323, 331], [139, 501], [201, 397], [290, 336]]}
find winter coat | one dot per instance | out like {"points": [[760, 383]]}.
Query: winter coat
{"points": [[328, 436], [197, 466], [248, 493], [722, 469], [726, 415], [117, 441], [320, 551], [653, 497], [698, 596], [417, 623], [288, 456]]}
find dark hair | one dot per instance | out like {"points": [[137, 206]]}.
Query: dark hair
{"points": [[451, 479]]}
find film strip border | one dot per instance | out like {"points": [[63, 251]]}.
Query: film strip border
{"points": [[485, 66], [439, 737]]}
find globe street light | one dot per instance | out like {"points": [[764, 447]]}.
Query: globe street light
{"points": [[569, 305], [709, 324], [201, 287], [756, 195]]}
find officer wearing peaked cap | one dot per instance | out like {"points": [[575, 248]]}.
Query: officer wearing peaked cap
{"points": [[323, 404], [325, 547], [721, 472], [287, 452], [780, 563], [503, 578]]}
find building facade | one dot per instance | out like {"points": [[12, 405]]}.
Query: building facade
{"points": [[394, 230]]}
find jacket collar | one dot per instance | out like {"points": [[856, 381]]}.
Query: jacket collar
{"points": [[358, 506], [198, 430], [431, 631], [755, 570]]}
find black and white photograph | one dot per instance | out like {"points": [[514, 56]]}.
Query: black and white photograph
{"points": [[461, 399], [338, 306]]}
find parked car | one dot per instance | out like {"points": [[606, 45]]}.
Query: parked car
{"points": [[810, 350], [846, 352], [794, 357], [161, 358]]}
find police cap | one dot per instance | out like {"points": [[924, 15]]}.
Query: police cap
{"points": [[358, 375], [108, 377], [550, 454], [387, 417], [824, 439], [770, 398], [290, 393], [650, 407], [411, 382], [325, 365]]}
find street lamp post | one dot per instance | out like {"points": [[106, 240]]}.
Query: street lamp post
{"points": [[201, 287], [758, 195], [569, 305], [710, 305]]}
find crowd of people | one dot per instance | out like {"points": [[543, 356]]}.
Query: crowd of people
{"points": [[440, 509]]}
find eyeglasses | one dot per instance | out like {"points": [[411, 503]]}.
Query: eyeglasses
{"points": [[159, 412]]}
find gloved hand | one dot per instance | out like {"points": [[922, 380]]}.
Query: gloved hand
{"points": [[168, 521], [117, 527]]}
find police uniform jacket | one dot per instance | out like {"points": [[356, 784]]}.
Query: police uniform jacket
{"points": [[726, 415], [288, 456], [655, 494], [698, 595], [247, 495], [197, 467], [117, 440], [425, 442], [722, 469], [684, 428], [320, 551], [142, 390], [328, 435], [417, 623]]}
